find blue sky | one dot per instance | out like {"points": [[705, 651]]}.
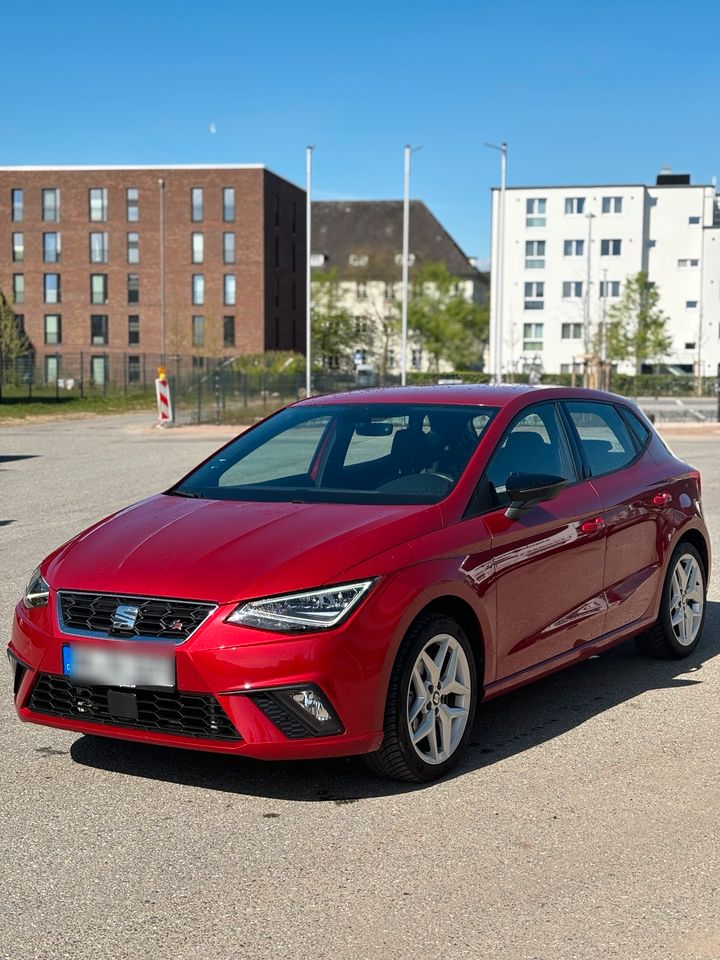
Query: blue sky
{"points": [[582, 92]]}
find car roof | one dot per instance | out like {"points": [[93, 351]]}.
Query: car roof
{"points": [[462, 393]]}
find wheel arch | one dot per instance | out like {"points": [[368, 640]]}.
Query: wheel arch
{"points": [[458, 609], [694, 537]]}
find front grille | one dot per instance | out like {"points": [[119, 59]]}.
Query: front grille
{"points": [[91, 614], [185, 714]]}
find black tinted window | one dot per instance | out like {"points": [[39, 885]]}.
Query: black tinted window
{"points": [[535, 443], [604, 436], [637, 427], [346, 453]]}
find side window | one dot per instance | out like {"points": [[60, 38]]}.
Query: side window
{"points": [[604, 437], [637, 427], [535, 443]]}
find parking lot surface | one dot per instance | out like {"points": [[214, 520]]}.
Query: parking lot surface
{"points": [[583, 822]]}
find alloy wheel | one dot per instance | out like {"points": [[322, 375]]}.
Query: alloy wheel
{"points": [[687, 600], [438, 698]]}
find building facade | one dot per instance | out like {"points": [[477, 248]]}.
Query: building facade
{"points": [[568, 251], [361, 243], [116, 262]]}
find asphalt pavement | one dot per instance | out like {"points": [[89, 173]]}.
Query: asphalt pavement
{"points": [[583, 822]]}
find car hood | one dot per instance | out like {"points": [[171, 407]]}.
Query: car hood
{"points": [[223, 551]]}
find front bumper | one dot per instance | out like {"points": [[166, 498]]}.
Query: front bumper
{"points": [[228, 666]]}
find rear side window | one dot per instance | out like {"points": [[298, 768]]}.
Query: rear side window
{"points": [[604, 436], [637, 427]]}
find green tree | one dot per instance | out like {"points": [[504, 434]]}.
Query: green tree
{"points": [[333, 327], [445, 324], [637, 326], [13, 342]]}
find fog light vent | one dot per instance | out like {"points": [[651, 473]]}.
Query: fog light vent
{"points": [[298, 712]]}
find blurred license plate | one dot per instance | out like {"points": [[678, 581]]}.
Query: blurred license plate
{"points": [[115, 668]]}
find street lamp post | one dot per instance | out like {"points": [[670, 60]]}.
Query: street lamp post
{"points": [[161, 186], [587, 332], [308, 270], [405, 263], [496, 320]]}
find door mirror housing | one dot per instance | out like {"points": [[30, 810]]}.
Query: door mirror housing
{"points": [[527, 489]]}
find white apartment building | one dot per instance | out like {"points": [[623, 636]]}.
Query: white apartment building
{"points": [[568, 251]]}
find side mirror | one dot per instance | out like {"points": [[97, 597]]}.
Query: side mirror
{"points": [[527, 489]]}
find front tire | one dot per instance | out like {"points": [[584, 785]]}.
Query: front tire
{"points": [[431, 703], [677, 630]]}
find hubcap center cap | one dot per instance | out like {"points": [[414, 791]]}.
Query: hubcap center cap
{"points": [[436, 698]]}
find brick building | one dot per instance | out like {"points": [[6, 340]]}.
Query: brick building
{"points": [[119, 262]]}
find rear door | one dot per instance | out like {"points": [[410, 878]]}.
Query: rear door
{"points": [[549, 563], [624, 477]]}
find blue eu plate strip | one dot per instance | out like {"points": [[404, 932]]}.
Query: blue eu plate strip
{"points": [[67, 659]]}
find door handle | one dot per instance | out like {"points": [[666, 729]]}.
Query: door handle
{"points": [[662, 499], [592, 526]]}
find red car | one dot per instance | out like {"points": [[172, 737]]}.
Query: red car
{"points": [[356, 572]]}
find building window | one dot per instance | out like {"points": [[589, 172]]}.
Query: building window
{"points": [[571, 331], [18, 247], [17, 202], [52, 368], [133, 369], [361, 290], [51, 287], [690, 345], [228, 248], [389, 291], [53, 329], [415, 359], [98, 248], [293, 295], [51, 248], [534, 254], [18, 288], [691, 304], [98, 204], [133, 248], [277, 209], [98, 370], [612, 204], [609, 288], [228, 204], [98, 288], [198, 331], [573, 248], [198, 289], [133, 330], [133, 288], [277, 251], [196, 205], [51, 205], [688, 264], [534, 293], [228, 331], [197, 251], [20, 323], [535, 211], [229, 289], [99, 329], [533, 336], [694, 221], [610, 248], [132, 204], [572, 289], [574, 205]]}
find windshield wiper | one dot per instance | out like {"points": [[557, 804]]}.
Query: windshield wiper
{"points": [[184, 493]]}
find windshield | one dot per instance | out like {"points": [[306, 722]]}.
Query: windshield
{"points": [[346, 453]]}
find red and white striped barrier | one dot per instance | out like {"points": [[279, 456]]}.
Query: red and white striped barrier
{"points": [[162, 392]]}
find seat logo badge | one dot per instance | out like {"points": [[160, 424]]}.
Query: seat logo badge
{"points": [[125, 617], [176, 625]]}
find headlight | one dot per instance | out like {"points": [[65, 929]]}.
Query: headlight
{"points": [[309, 610], [37, 591]]}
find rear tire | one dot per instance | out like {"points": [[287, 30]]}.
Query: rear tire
{"points": [[431, 702], [678, 628]]}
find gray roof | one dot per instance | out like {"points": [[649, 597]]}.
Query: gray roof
{"points": [[373, 228]]}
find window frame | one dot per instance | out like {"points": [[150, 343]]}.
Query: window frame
{"points": [[469, 512]]}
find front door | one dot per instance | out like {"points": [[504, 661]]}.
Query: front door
{"points": [[549, 563]]}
